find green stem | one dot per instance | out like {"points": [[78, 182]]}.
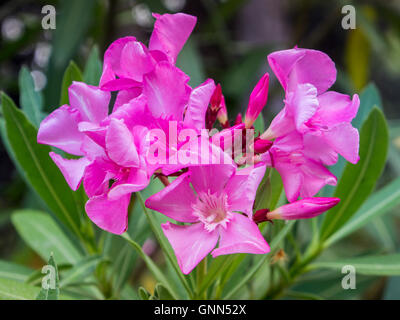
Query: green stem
{"points": [[201, 273]]}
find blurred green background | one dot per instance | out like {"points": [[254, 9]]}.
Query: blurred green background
{"points": [[230, 44]]}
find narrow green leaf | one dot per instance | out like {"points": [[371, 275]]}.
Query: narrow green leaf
{"points": [[31, 100], [158, 274], [51, 293], [39, 170], [16, 290], [377, 204], [43, 235], [162, 293], [81, 270], [385, 265], [14, 271], [261, 260], [358, 181], [72, 73], [143, 294], [94, 68]]}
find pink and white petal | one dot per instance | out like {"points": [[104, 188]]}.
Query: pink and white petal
{"points": [[112, 60], [242, 188], [298, 66], [137, 61], [72, 169], [315, 177], [170, 33], [108, 215], [241, 236], [211, 177], [335, 108], [345, 140], [302, 103], [316, 148], [166, 90], [120, 145], [90, 101], [92, 150], [198, 103], [191, 243], [175, 200], [60, 129]]}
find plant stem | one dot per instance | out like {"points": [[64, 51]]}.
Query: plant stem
{"points": [[201, 273]]}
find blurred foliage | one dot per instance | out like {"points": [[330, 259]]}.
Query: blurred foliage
{"points": [[230, 44]]}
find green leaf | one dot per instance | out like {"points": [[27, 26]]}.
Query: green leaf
{"points": [[358, 181], [260, 260], [31, 100], [94, 68], [269, 190], [51, 293], [377, 204], [385, 265], [72, 25], [72, 73], [143, 294], [81, 270], [158, 274], [14, 271], [39, 170], [162, 293], [43, 235], [15, 290], [259, 125]]}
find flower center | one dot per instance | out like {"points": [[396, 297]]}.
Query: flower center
{"points": [[212, 209]]}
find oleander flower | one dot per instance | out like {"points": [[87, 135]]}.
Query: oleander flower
{"points": [[212, 198]]}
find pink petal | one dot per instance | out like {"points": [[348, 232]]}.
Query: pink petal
{"points": [[315, 176], [337, 108], [72, 169], [345, 140], [60, 129], [125, 96], [242, 188], [211, 177], [171, 32], [175, 200], [292, 180], [111, 216], [112, 60], [136, 60], [257, 101], [281, 125], [298, 66], [302, 104], [120, 146], [191, 243], [316, 148], [94, 132], [166, 90], [97, 176], [241, 236], [91, 102], [120, 84], [198, 103]]}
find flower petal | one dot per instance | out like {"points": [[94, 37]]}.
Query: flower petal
{"points": [[91, 102], [191, 243], [175, 200], [211, 177], [72, 169], [170, 33], [241, 236], [136, 60], [120, 145], [198, 103], [298, 66], [108, 215], [242, 188], [60, 129], [166, 90]]}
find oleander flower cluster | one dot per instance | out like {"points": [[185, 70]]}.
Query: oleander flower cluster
{"points": [[161, 127]]}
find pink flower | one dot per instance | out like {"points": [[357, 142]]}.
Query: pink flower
{"points": [[301, 176], [127, 60], [212, 208], [257, 101], [322, 117], [302, 209]]}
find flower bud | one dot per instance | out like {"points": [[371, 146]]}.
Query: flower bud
{"points": [[257, 101], [261, 146]]}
